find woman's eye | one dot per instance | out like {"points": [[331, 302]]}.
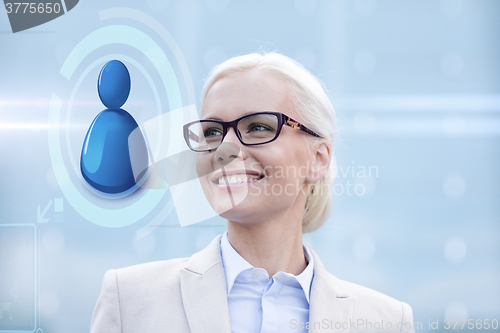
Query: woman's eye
{"points": [[211, 132], [255, 127]]}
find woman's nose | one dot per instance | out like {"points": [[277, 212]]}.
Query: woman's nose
{"points": [[231, 136], [228, 150], [225, 154]]}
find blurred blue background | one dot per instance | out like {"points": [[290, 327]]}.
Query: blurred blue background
{"points": [[416, 88]]}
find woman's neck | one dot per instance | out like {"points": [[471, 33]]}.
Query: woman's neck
{"points": [[274, 245]]}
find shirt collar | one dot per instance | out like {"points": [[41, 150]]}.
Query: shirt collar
{"points": [[234, 264]]}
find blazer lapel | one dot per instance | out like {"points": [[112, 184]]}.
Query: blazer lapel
{"points": [[204, 293], [330, 308]]}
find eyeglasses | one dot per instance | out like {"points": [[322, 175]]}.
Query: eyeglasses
{"points": [[252, 129]]}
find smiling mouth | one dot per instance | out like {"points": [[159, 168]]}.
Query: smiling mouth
{"points": [[238, 179]]}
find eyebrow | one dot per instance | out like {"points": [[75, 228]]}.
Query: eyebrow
{"points": [[217, 118]]}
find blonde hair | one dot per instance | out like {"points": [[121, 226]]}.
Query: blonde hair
{"points": [[311, 103]]}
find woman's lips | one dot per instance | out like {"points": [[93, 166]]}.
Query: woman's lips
{"points": [[226, 186], [235, 173]]}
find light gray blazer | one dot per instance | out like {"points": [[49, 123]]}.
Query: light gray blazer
{"points": [[189, 295]]}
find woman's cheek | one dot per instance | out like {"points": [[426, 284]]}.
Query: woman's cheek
{"points": [[203, 164]]}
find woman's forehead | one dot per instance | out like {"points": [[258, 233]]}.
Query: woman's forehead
{"points": [[245, 92]]}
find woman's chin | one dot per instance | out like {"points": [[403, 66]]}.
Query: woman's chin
{"points": [[222, 204], [232, 197], [235, 203]]}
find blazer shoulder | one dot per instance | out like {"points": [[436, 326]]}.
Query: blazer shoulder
{"points": [[153, 266], [151, 271], [376, 305], [368, 295], [140, 298]]}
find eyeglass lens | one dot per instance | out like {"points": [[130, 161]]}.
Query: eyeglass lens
{"points": [[253, 129]]}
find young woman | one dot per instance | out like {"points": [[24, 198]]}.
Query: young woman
{"points": [[265, 136]]}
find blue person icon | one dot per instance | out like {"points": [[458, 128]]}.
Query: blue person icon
{"points": [[114, 156]]}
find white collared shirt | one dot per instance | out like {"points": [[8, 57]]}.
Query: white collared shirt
{"points": [[259, 304]]}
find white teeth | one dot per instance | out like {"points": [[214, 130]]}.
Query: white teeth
{"points": [[237, 179]]}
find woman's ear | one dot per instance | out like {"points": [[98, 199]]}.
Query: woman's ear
{"points": [[321, 157]]}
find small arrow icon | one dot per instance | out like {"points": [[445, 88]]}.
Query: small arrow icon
{"points": [[40, 217]]}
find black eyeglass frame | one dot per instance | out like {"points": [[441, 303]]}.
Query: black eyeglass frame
{"points": [[282, 120]]}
